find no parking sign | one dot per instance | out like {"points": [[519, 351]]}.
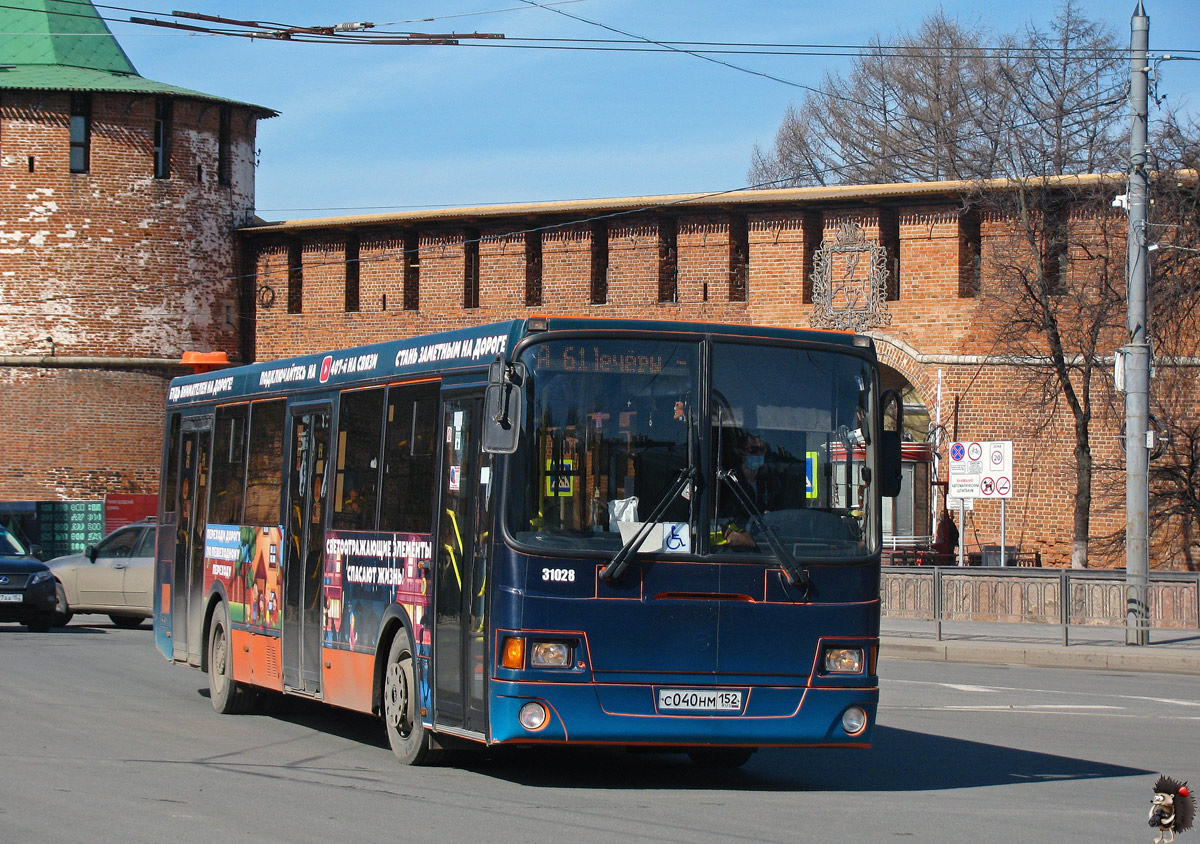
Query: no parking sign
{"points": [[981, 469]]}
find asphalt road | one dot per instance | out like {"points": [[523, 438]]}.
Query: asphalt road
{"points": [[102, 740]]}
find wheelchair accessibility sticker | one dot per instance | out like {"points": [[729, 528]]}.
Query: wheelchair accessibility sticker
{"points": [[677, 538]]}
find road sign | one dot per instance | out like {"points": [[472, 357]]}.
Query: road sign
{"points": [[981, 470], [810, 474]]}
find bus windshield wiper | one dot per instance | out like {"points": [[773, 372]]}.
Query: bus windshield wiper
{"points": [[795, 575], [621, 560]]}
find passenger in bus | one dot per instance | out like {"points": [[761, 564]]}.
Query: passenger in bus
{"points": [[354, 505], [757, 477]]}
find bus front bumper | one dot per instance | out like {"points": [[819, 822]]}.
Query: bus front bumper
{"points": [[642, 714]]}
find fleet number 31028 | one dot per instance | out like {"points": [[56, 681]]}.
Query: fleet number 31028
{"points": [[559, 575]]}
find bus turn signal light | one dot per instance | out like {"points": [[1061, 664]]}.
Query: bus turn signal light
{"points": [[514, 653]]}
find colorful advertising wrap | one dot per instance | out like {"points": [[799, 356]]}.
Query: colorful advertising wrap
{"points": [[245, 560], [364, 573]]}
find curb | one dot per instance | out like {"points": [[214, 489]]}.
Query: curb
{"points": [[1044, 656]]}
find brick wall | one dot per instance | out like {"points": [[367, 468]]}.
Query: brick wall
{"points": [[74, 433], [112, 263]]}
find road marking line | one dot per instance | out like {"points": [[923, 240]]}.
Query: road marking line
{"points": [[1030, 707], [989, 689]]}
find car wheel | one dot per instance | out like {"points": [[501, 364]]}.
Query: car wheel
{"points": [[127, 622], [38, 625], [721, 758], [62, 610], [227, 695], [406, 734]]}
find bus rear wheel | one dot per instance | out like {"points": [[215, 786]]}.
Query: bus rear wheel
{"points": [[406, 733], [227, 695]]}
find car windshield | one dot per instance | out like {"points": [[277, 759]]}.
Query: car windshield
{"points": [[10, 546], [614, 430]]}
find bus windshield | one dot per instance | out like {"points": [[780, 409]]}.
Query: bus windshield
{"points": [[784, 421], [608, 435], [776, 436]]}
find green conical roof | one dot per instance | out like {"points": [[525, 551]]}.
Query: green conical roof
{"points": [[64, 45], [66, 33]]}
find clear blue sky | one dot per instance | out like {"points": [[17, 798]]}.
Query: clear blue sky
{"points": [[407, 127]]}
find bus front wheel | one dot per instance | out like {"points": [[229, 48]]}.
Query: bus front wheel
{"points": [[406, 733], [228, 696]]}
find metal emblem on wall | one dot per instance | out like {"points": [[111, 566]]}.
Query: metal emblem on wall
{"points": [[850, 277]]}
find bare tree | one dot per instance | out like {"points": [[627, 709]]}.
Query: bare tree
{"points": [[941, 103], [916, 108], [1055, 288], [1058, 286], [1066, 95], [1034, 108], [1174, 235]]}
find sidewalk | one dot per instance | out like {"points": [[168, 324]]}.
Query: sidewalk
{"points": [[1169, 651]]}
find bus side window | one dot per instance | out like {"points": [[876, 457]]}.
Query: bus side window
{"points": [[410, 444], [264, 475], [170, 491], [360, 425], [229, 465]]}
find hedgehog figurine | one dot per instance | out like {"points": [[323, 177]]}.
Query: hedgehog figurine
{"points": [[1172, 810]]}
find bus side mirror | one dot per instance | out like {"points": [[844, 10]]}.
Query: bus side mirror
{"points": [[890, 427], [503, 407]]}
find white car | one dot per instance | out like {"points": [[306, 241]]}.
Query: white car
{"points": [[115, 577]]}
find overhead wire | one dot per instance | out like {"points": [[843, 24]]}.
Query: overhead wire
{"points": [[638, 43], [698, 55], [478, 14]]}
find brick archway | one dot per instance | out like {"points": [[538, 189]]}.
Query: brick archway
{"points": [[900, 358]]}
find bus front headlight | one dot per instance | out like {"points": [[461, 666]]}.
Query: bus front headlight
{"points": [[843, 660], [549, 655]]}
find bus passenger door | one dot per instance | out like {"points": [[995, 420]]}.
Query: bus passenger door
{"points": [[463, 547], [307, 467], [187, 592]]}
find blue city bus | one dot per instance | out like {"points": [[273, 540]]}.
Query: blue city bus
{"points": [[544, 531]]}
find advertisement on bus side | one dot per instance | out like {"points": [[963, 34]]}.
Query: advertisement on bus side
{"points": [[365, 572], [246, 560]]}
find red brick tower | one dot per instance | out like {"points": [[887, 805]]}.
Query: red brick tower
{"points": [[119, 198]]}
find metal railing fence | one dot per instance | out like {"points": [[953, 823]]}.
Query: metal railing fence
{"points": [[1093, 597]]}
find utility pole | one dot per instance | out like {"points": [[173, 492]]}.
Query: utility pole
{"points": [[1136, 352]]}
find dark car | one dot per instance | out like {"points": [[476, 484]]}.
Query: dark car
{"points": [[26, 586]]}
